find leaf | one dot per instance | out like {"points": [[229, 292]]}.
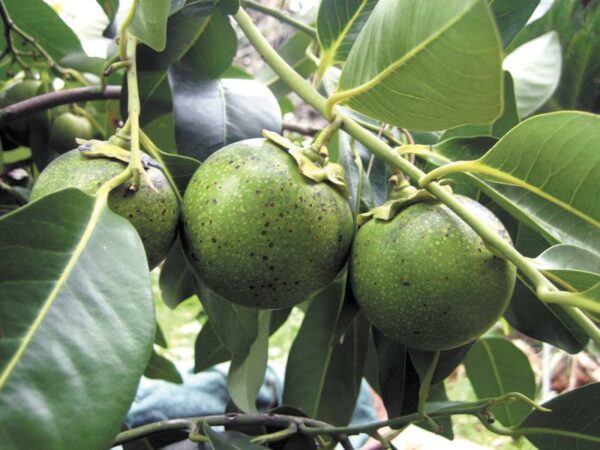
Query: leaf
{"points": [[247, 371], [159, 337], [161, 368], [40, 21], [293, 51], [208, 349], [542, 321], [574, 413], [210, 114], [149, 23], [110, 8], [215, 50], [161, 131], [323, 379], [181, 168], [76, 299], [496, 367], [236, 326], [448, 361], [229, 440], [176, 278], [413, 58], [574, 268], [561, 188], [535, 68], [511, 16], [338, 25]]}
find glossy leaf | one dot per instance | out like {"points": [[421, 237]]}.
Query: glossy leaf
{"points": [[149, 23], [535, 68], [542, 321], [235, 325], [247, 371], [229, 440], [496, 367], [212, 113], [338, 25], [572, 267], [574, 412], [293, 51], [323, 378], [413, 58], [161, 368], [208, 349], [73, 279], [511, 16], [176, 278]]}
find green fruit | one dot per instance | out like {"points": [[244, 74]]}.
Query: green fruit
{"points": [[16, 133], [427, 280], [260, 233], [153, 214], [65, 128]]}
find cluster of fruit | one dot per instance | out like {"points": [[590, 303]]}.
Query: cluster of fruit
{"points": [[261, 234]]}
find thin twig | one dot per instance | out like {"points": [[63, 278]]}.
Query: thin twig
{"points": [[46, 101]]}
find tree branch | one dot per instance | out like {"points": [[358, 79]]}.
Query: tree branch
{"points": [[46, 101]]}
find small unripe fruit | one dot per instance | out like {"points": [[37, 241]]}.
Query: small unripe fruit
{"points": [[153, 214], [258, 232], [427, 280], [65, 128]]}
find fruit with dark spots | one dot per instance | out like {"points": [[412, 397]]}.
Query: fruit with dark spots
{"points": [[272, 250], [426, 279], [65, 128], [153, 214]]}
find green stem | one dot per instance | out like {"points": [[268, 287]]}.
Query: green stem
{"points": [[154, 151], [123, 53], [307, 92], [281, 17], [134, 112], [277, 435], [426, 383], [326, 134]]}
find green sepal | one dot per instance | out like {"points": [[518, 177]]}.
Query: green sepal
{"points": [[102, 149], [408, 195], [312, 165]]}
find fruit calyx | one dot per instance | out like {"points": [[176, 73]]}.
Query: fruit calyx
{"points": [[313, 163], [402, 196]]}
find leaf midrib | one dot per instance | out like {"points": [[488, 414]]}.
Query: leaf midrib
{"points": [[99, 205]]}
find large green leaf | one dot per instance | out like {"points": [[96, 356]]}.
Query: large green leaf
{"points": [[511, 16], [338, 25], [322, 375], [574, 268], [535, 68], [293, 51], [496, 367], [423, 67], [76, 319], [573, 421], [149, 23], [247, 371], [212, 113]]}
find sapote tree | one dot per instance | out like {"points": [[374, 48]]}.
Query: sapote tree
{"points": [[453, 187]]}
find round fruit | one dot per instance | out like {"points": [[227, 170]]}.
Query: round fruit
{"points": [[16, 132], [65, 128], [259, 233], [427, 280], [153, 214]]}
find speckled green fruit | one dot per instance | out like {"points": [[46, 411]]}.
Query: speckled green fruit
{"points": [[259, 233], [153, 214], [427, 280], [65, 128], [16, 132]]}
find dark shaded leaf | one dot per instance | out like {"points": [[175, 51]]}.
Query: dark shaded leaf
{"points": [[176, 278], [448, 361], [161, 368], [511, 16], [149, 23], [208, 349], [212, 113]]}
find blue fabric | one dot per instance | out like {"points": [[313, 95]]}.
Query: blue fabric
{"points": [[205, 393]]}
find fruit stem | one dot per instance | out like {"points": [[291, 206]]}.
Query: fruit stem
{"points": [[326, 134], [380, 149], [134, 112], [426, 384]]}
